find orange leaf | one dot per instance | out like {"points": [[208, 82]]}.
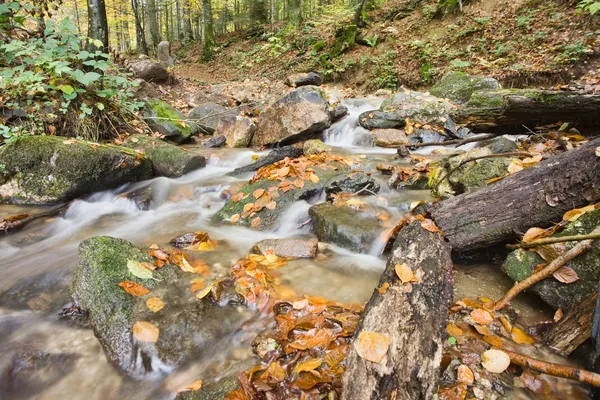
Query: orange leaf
{"points": [[384, 288], [145, 332], [558, 315], [271, 205], [196, 385], [481, 316], [198, 284], [155, 304], [372, 346], [430, 226], [520, 337], [258, 192], [465, 375], [255, 222], [234, 218], [533, 234], [482, 329], [493, 340], [456, 392], [313, 178], [134, 288], [308, 365], [404, 273], [566, 275], [453, 330]]}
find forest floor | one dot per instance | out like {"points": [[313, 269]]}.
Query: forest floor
{"points": [[521, 43]]}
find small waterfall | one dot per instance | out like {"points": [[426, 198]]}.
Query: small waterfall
{"points": [[346, 132]]}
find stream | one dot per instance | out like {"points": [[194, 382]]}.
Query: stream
{"points": [[38, 262]]}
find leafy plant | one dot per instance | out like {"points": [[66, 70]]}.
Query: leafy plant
{"points": [[571, 52], [589, 6], [459, 64], [385, 68], [372, 40]]}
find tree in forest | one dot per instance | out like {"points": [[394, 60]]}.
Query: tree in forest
{"points": [[152, 20], [97, 22], [295, 13], [140, 34], [208, 34]]}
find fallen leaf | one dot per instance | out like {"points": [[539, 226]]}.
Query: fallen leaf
{"points": [[134, 288], [271, 258], [372, 346], [404, 273], [573, 215], [204, 292], [429, 225], [495, 361], [198, 284], [520, 337], [255, 222], [533, 234], [313, 178], [493, 340], [276, 371], [566, 275], [180, 259], [271, 205], [453, 330], [598, 151], [234, 218], [465, 375], [155, 304], [145, 332], [483, 330], [456, 392], [384, 288], [196, 385], [308, 365], [515, 167], [137, 269], [558, 315], [481, 316], [258, 192]]}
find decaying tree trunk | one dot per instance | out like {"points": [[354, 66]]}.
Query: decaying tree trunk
{"points": [[512, 108], [574, 328], [411, 315], [534, 197]]}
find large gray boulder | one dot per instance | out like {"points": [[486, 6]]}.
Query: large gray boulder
{"points": [[304, 79], [299, 115], [53, 169], [459, 86], [168, 121], [187, 325], [238, 130], [167, 160], [208, 115], [149, 71], [390, 137]]}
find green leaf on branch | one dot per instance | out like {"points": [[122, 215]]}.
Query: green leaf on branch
{"points": [[66, 89], [86, 78]]}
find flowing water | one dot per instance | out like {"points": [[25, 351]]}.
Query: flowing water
{"points": [[37, 265]]}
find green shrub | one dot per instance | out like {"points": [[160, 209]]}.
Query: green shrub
{"points": [[589, 6]]}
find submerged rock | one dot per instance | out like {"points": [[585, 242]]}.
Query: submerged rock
{"points": [[167, 160], [46, 292], [52, 169], [208, 115], [459, 86], [168, 121], [521, 263], [314, 146], [271, 158], [352, 183], [288, 247], [238, 130], [304, 79], [187, 325], [344, 226], [298, 115]]}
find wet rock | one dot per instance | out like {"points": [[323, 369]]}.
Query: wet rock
{"points": [[288, 247], [500, 145], [238, 130], [272, 157], [381, 120], [383, 92], [186, 324], [364, 139], [11, 115], [304, 79], [168, 121], [459, 86], [215, 141], [164, 54], [338, 113], [390, 137], [314, 146], [345, 226], [421, 108], [52, 169], [30, 372], [352, 183], [208, 115], [141, 197], [298, 115], [167, 160], [213, 391], [187, 239], [150, 71], [46, 292], [521, 263]]}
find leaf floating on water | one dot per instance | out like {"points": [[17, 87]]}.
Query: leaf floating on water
{"points": [[180, 259], [308, 365], [145, 332], [155, 304], [134, 288], [566, 275], [137, 269], [465, 375], [495, 361], [372, 346], [481, 316], [520, 337], [196, 385]]}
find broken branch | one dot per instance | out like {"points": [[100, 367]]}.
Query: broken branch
{"points": [[552, 240]]}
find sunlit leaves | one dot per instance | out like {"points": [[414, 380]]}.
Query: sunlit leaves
{"points": [[372, 346], [155, 304], [145, 331], [134, 288], [481, 316], [194, 386], [308, 365], [520, 337]]}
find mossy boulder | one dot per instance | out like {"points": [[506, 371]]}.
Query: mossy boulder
{"points": [[168, 121], [459, 86], [345, 38], [345, 226], [521, 263], [356, 182], [52, 169], [213, 391], [314, 146], [187, 325], [167, 160]]}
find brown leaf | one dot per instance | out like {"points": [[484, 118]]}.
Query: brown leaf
{"points": [[483, 330], [533, 234], [429, 225], [145, 332], [493, 340], [134, 288], [258, 193], [456, 392], [481, 316], [308, 365], [558, 315], [520, 337], [404, 273], [155, 304], [276, 371], [372, 346], [196, 385], [255, 222], [566, 275], [465, 375], [158, 253], [453, 330], [384, 288]]}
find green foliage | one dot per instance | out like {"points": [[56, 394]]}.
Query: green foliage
{"points": [[54, 80], [459, 64], [428, 73], [385, 70], [571, 52], [524, 20], [372, 40], [589, 6]]}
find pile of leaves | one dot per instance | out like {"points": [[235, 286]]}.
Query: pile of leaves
{"points": [[50, 84]]}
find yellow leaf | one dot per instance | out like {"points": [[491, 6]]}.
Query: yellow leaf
{"points": [[308, 365], [271, 205], [384, 288], [520, 337], [198, 284], [493, 340], [145, 332], [465, 375], [155, 304], [531, 161], [496, 179], [196, 385], [205, 292], [404, 273], [573, 215], [515, 167], [481, 316], [271, 258], [258, 192], [313, 178], [453, 330], [355, 202], [598, 151], [372, 346]]}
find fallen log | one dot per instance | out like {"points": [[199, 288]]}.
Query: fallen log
{"points": [[16, 222], [534, 197], [574, 328], [515, 109], [408, 311]]}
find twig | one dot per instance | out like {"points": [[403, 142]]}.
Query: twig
{"points": [[546, 272], [303, 224], [540, 242], [365, 189], [456, 141], [13, 223], [559, 370], [468, 160]]}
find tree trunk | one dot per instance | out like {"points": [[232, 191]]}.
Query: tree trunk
{"points": [[295, 13], [97, 22], [535, 197], [412, 315], [574, 328], [358, 14], [140, 35], [151, 16], [258, 12], [188, 34], [510, 109], [208, 35], [76, 15]]}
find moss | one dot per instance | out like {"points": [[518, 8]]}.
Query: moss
{"points": [[318, 46], [314, 146], [168, 120], [459, 86], [345, 39]]}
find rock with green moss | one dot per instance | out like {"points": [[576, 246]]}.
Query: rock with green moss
{"points": [[314, 146], [168, 121], [345, 38], [345, 226], [521, 263], [459, 86], [186, 325], [213, 391], [167, 160], [52, 169]]}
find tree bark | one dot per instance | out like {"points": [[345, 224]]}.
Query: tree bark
{"points": [[151, 13], [295, 13], [535, 197], [208, 34], [97, 22], [510, 109], [140, 35], [412, 315]]}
